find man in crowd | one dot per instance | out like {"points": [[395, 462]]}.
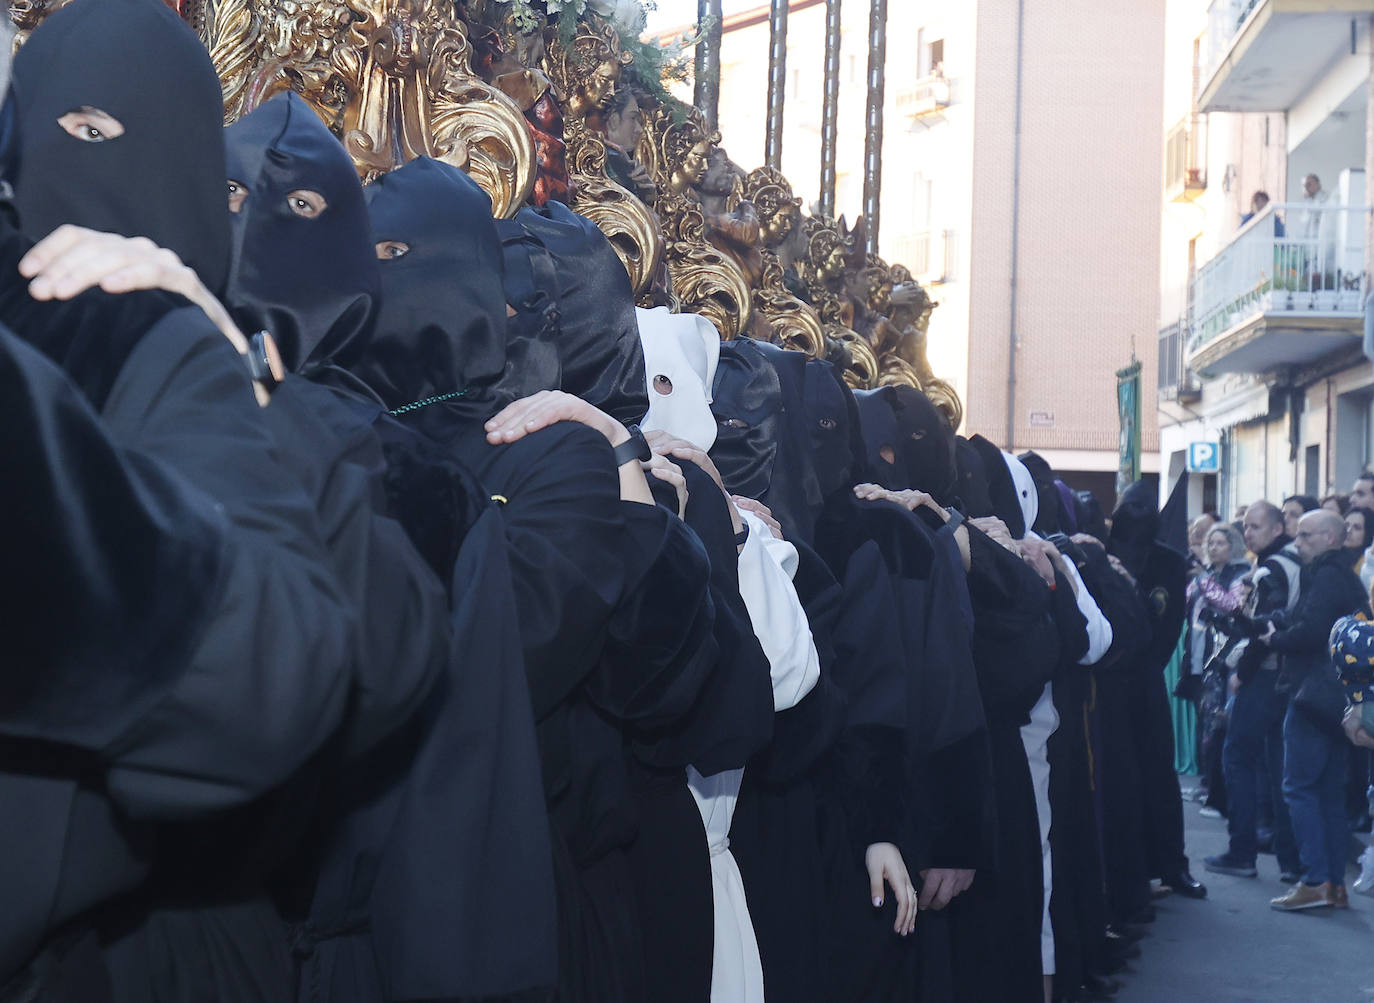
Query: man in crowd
{"points": [[1314, 753], [1255, 736]]}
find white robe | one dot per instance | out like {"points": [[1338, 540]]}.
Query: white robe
{"points": [[766, 567]]}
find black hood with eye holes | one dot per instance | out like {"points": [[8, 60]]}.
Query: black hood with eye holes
{"points": [[975, 490], [164, 177], [926, 444], [762, 447], [832, 417], [441, 327], [313, 283], [878, 427]]}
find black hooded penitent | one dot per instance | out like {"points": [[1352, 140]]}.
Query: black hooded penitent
{"points": [[163, 178], [925, 444], [312, 282], [762, 447], [561, 270], [441, 328]]}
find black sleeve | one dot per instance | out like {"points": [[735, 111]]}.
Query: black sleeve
{"points": [[1120, 603], [733, 715], [111, 569], [1015, 642], [559, 499], [1323, 602], [268, 681], [402, 606]]}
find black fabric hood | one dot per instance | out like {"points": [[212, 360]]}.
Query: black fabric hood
{"points": [[1134, 526], [975, 497], [832, 418], [441, 326], [312, 282], [1050, 518], [926, 444], [561, 269], [763, 446], [879, 431], [1001, 488], [163, 178]]}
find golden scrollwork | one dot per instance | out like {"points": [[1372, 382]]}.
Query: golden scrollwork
{"points": [[705, 279], [393, 78], [587, 71]]}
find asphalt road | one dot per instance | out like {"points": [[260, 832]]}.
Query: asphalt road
{"points": [[1232, 947]]}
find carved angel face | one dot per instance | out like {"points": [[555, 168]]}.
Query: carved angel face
{"points": [[878, 290], [695, 163], [601, 84]]}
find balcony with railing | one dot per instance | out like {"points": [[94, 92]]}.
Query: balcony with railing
{"points": [[1265, 54], [1288, 289], [929, 95], [1177, 383]]}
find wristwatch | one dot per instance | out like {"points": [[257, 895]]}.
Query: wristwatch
{"points": [[264, 360], [636, 447]]}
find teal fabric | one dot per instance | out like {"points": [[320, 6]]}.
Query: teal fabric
{"points": [[1184, 713]]}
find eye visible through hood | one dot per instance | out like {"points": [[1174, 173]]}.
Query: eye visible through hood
{"points": [[681, 352], [106, 92], [304, 265], [434, 335]]}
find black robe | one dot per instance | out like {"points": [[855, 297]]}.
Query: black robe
{"points": [[616, 623], [731, 719], [195, 743]]}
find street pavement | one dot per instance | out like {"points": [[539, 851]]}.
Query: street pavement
{"points": [[1232, 948]]}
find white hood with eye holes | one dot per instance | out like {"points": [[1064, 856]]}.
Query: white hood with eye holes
{"points": [[683, 348], [1026, 495]]}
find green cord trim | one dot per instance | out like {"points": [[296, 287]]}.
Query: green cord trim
{"points": [[416, 405]]}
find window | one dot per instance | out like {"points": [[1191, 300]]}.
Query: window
{"points": [[930, 54]]}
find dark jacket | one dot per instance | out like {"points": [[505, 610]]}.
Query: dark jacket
{"points": [[1330, 590]]}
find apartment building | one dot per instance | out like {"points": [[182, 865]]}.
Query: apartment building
{"points": [[1020, 184], [1263, 385]]}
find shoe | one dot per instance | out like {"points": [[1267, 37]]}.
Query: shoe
{"points": [[1158, 891], [1127, 932], [1302, 896], [1186, 885], [1226, 864], [1340, 898], [1364, 884], [1194, 794], [1289, 878], [1207, 811]]}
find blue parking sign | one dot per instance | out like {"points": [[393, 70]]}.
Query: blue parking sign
{"points": [[1204, 457]]}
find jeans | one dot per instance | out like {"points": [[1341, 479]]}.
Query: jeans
{"points": [[1253, 754], [1314, 787]]}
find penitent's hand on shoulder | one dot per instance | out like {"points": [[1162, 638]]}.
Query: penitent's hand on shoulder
{"points": [[73, 259]]}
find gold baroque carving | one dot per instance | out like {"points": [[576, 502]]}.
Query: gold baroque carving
{"points": [[393, 78], [588, 72]]}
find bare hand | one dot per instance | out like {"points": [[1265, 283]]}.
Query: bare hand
{"points": [[996, 530], [761, 510], [884, 863], [548, 407], [1233, 684], [665, 444], [1268, 636], [73, 259], [1035, 553], [1354, 729], [908, 499], [665, 470], [942, 885]]}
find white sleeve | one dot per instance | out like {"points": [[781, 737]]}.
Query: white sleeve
{"points": [[1099, 627], [1367, 569], [766, 567]]}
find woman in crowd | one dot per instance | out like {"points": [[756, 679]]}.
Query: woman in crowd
{"points": [[1216, 593]]}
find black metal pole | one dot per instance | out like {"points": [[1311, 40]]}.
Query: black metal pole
{"points": [[873, 131], [777, 81], [830, 107], [706, 93]]}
